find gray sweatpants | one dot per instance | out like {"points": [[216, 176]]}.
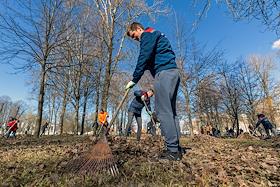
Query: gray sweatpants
{"points": [[139, 123], [166, 88]]}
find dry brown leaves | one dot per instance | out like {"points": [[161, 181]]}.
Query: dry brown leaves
{"points": [[210, 162], [247, 136]]}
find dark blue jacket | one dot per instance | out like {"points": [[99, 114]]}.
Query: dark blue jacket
{"points": [[137, 104], [265, 122], [155, 55]]}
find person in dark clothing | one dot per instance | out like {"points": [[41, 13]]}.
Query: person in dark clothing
{"points": [[44, 127], [268, 127], [216, 132], [128, 131], [229, 132], [135, 109], [157, 56]]}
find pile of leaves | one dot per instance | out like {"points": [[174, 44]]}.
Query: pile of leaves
{"points": [[247, 136], [209, 162]]}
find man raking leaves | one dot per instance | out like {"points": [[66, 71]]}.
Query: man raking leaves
{"points": [[157, 56]]}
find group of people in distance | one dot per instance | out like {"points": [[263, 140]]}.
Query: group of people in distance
{"points": [[267, 126], [12, 127]]}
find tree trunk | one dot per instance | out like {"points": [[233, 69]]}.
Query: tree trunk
{"points": [[56, 117], [84, 111], [106, 86], [53, 113], [77, 99], [76, 120], [97, 92], [63, 110], [237, 125], [188, 110], [41, 99], [55, 121], [218, 119], [50, 111], [122, 122]]}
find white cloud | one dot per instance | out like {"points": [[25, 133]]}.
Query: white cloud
{"points": [[276, 44]]}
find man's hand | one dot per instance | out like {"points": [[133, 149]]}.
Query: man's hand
{"points": [[150, 113], [130, 85]]}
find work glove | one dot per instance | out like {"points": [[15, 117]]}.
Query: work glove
{"points": [[150, 113], [130, 85]]}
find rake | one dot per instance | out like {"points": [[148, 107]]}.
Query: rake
{"points": [[99, 157], [150, 113]]}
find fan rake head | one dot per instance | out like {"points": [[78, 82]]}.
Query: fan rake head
{"points": [[99, 158]]}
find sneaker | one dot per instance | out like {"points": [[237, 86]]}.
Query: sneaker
{"points": [[168, 155]]}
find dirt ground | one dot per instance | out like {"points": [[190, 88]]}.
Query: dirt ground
{"points": [[27, 161]]}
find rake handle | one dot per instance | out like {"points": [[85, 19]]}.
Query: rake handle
{"points": [[153, 121], [118, 108]]}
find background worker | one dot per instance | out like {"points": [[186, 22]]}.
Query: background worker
{"points": [[103, 120], [135, 109], [268, 127], [44, 128], [11, 127]]}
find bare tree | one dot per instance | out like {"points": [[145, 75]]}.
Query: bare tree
{"points": [[230, 91], [251, 90], [197, 71], [117, 93], [265, 11], [32, 31], [64, 103], [262, 68], [9, 108], [86, 93], [53, 102]]}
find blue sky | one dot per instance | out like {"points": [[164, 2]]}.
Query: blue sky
{"points": [[236, 38], [13, 85]]}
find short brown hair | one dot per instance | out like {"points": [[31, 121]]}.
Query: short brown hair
{"points": [[152, 90], [133, 26]]}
